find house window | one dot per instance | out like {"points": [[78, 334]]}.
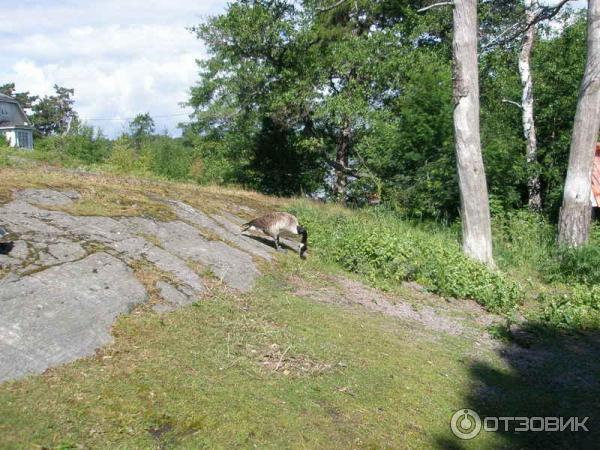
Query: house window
{"points": [[23, 139]]}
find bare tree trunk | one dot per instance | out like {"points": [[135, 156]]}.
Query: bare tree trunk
{"points": [[533, 183], [575, 214], [341, 159], [475, 212]]}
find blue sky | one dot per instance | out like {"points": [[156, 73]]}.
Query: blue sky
{"points": [[122, 57]]}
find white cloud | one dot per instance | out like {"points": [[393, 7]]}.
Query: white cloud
{"points": [[121, 57]]}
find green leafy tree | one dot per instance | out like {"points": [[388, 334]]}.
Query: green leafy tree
{"points": [[141, 127], [295, 82], [354, 97], [54, 114], [24, 98], [558, 66]]}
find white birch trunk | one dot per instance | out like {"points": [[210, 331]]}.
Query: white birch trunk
{"points": [[475, 212], [575, 214], [533, 183]]}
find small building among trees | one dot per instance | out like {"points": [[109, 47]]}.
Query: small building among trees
{"points": [[14, 124]]}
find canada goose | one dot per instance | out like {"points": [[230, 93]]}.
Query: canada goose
{"points": [[5, 247], [274, 223]]}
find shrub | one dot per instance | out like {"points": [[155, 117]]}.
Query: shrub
{"points": [[215, 162], [577, 310], [387, 250], [159, 155], [4, 160], [123, 158], [523, 240], [83, 146], [579, 265], [168, 157]]}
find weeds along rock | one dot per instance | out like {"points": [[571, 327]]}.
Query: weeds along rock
{"points": [[387, 250]]}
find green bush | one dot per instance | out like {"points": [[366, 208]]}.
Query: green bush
{"points": [[576, 265], [523, 241], [168, 157], [124, 159], [162, 156], [83, 146], [4, 160], [577, 310], [216, 161], [387, 250]]}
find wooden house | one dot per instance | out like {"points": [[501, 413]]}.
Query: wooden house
{"points": [[14, 124]]}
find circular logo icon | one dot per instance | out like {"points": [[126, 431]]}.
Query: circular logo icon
{"points": [[465, 424]]}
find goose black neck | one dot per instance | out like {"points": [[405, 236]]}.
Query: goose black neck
{"points": [[303, 247]]}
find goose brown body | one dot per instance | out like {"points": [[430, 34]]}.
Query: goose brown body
{"points": [[274, 223]]}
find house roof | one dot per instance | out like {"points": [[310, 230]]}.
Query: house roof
{"points": [[18, 120], [6, 98], [596, 178]]}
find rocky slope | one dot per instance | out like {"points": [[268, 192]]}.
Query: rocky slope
{"points": [[69, 276]]}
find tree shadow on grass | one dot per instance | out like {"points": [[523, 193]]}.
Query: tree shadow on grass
{"points": [[547, 374]]}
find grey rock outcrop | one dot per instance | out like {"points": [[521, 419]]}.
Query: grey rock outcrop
{"points": [[70, 276]]}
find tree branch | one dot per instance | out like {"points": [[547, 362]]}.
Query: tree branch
{"points": [[435, 5], [329, 8], [544, 13], [345, 170], [517, 104]]}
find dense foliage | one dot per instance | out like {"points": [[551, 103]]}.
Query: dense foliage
{"points": [[388, 251], [577, 310], [356, 101]]}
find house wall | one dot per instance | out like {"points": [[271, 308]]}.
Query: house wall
{"points": [[18, 138], [10, 136], [16, 128]]}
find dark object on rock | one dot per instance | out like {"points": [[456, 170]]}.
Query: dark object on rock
{"points": [[5, 247]]}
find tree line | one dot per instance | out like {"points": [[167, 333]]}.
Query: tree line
{"points": [[439, 110], [359, 98]]}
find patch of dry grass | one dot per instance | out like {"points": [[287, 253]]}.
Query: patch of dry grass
{"points": [[286, 361], [105, 194], [149, 275]]}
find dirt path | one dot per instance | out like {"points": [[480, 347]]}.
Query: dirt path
{"points": [[429, 312]]}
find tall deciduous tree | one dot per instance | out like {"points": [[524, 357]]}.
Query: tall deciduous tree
{"points": [[54, 114], [529, 132], [575, 214], [141, 127], [475, 212]]}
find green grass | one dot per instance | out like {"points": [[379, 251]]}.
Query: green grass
{"points": [[277, 369], [345, 380], [274, 370]]}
